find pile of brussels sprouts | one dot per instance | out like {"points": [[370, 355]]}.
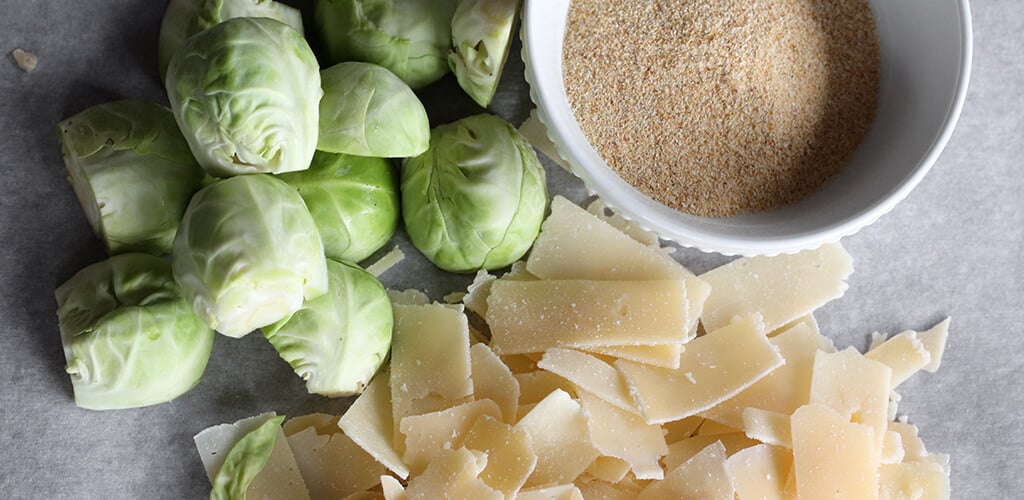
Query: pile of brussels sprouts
{"points": [[248, 204]]}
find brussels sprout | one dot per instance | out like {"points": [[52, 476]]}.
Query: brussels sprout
{"points": [[130, 338], [481, 36], [184, 18], [476, 198], [246, 94], [368, 111], [338, 341], [409, 37], [247, 458], [354, 201], [247, 253], [132, 171]]}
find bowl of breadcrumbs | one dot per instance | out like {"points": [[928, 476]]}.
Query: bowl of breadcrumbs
{"points": [[749, 127]]}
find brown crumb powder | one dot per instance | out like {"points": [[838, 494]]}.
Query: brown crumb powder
{"points": [[717, 108]]}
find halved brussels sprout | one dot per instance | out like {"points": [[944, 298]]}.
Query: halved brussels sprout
{"points": [[247, 254], [132, 171], [129, 336], [368, 111], [409, 37], [246, 95], [246, 459], [481, 36], [354, 201], [184, 18], [338, 341], [475, 200]]}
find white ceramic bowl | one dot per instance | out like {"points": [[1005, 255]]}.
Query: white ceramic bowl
{"points": [[926, 61]]}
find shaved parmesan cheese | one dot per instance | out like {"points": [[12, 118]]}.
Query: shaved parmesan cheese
{"points": [[510, 455], [768, 427], [536, 133], [643, 236], [537, 385], [410, 297], [608, 469], [322, 423], [934, 341], [904, 354], [560, 492], [604, 490], [665, 356], [713, 368], [833, 457], [279, 478], [925, 480], [533, 316], [856, 387], [683, 450], [621, 434], [392, 488], [576, 245], [429, 434], [429, 358], [913, 447], [453, 474], [760, 472], [711, 428], [680, 429], [780, 288], [320, 457], [369, 422], [560, 438], [702, 477], [476, 295], [494, 381], [892, 448], [590, 374], [386, 262], [784, 389]]}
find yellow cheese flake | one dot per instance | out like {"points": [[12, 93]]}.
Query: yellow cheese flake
{"points": [[590, 374], [558, 432], [833, 457], [760, 472], [370, 424], [494, 381], [703, 476], [510, 456], [453, 474], [621, 434], [429, 434]]}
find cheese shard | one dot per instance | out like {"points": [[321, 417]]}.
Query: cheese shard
{"points": [[537, 134], [429, 358], [537, 385], [643, 236], [320, 456], [604, 490], [279, 478], [682, 451], [892, 448], [494, 381], [560, 492], [768, 427], [784, 389], [453, 474], [913, 446], [624, 435], [575, 244], [833, 457], [408, 297], [589, 374], [760, 472], [370, 424], [428, 434], [712, 369], [780, 288], [702, 477], [665, 356], [913, 480], [392, 488], [856, 387], [477, 292], [934, 340], [608, 469], [560, 438], [386, 262], [510, 456], [322, 423], [534, 316], [903, 353]]}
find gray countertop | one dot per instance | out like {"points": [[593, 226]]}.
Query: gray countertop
{"points": [[955, 248]]}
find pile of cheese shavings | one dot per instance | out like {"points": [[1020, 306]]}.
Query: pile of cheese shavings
{"points": [[611, 371]]}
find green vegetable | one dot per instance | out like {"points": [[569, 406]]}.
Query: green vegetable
{"points": [[132, 171], [338, 341], [409, 37], [476, 198], [245, 461], [130, 338], [481, 36], [246, 95], [354, 201], [368, 111], [247, 254], [184, 18]]}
